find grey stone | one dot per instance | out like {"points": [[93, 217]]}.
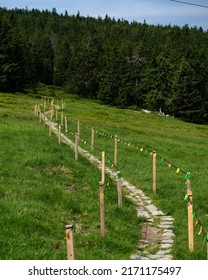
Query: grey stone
{"points": [[166, 223], [167, 257], [144, 241], [167, 218], [154, 257], [165, 226], [166, 246], [142, 246], [168, 235], [157, 213], [143, 214], [168, 240], [151, 208], [135, 257]]}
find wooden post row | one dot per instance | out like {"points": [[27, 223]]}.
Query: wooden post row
{"points": [[70, 242]]}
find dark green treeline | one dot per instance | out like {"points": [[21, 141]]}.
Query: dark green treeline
{"points": [[119, 63]]}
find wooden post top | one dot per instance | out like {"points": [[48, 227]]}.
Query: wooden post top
{"points": [[101, 184], [69, 227]]}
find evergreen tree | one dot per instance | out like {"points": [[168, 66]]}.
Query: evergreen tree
{"points": [[188, 90], [11, 74], [120, 63]]}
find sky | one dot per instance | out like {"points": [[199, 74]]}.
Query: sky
{"points": [[163, 12]]}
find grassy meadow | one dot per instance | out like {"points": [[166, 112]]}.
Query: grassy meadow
{"points": [[42, 188]]}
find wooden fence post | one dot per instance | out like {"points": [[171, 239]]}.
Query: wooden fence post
{"points": [[76, 146], [93, 138], [66, 124], [78, 129], [35, 110], [119, 188], [102, 216], [51, 112], [59, 134], [44, 103], [40, 115], [62, 118], [49, 125], [56, 112], [154, 161], [116, 151], [190, 216], [103, 167], [70, 242]]}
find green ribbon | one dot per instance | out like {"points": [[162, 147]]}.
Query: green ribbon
{"points": [[188, 176], [204, 240], [118, 175], [186, 197]]}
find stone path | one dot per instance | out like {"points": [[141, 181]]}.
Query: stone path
{"points": [[157, 232]]}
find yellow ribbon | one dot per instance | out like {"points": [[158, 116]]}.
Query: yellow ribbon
{"points": [[200, 230]]}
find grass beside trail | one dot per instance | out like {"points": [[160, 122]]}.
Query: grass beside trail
{"points": [[184, 145], [42, 189]]}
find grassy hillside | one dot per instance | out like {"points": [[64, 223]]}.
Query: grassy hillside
{"points": [[180, 145], [42, 189]]}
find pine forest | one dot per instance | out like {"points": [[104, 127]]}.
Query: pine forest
{"points": [[116, 62]]}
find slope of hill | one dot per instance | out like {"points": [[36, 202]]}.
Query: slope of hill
{"points": [[181, 147], [42, 189]]}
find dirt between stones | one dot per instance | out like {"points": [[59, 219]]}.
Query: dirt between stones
{"points": [[151, 234]]}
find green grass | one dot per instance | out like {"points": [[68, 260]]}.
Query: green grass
{"points": [[182, 144], [42, 189]]}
